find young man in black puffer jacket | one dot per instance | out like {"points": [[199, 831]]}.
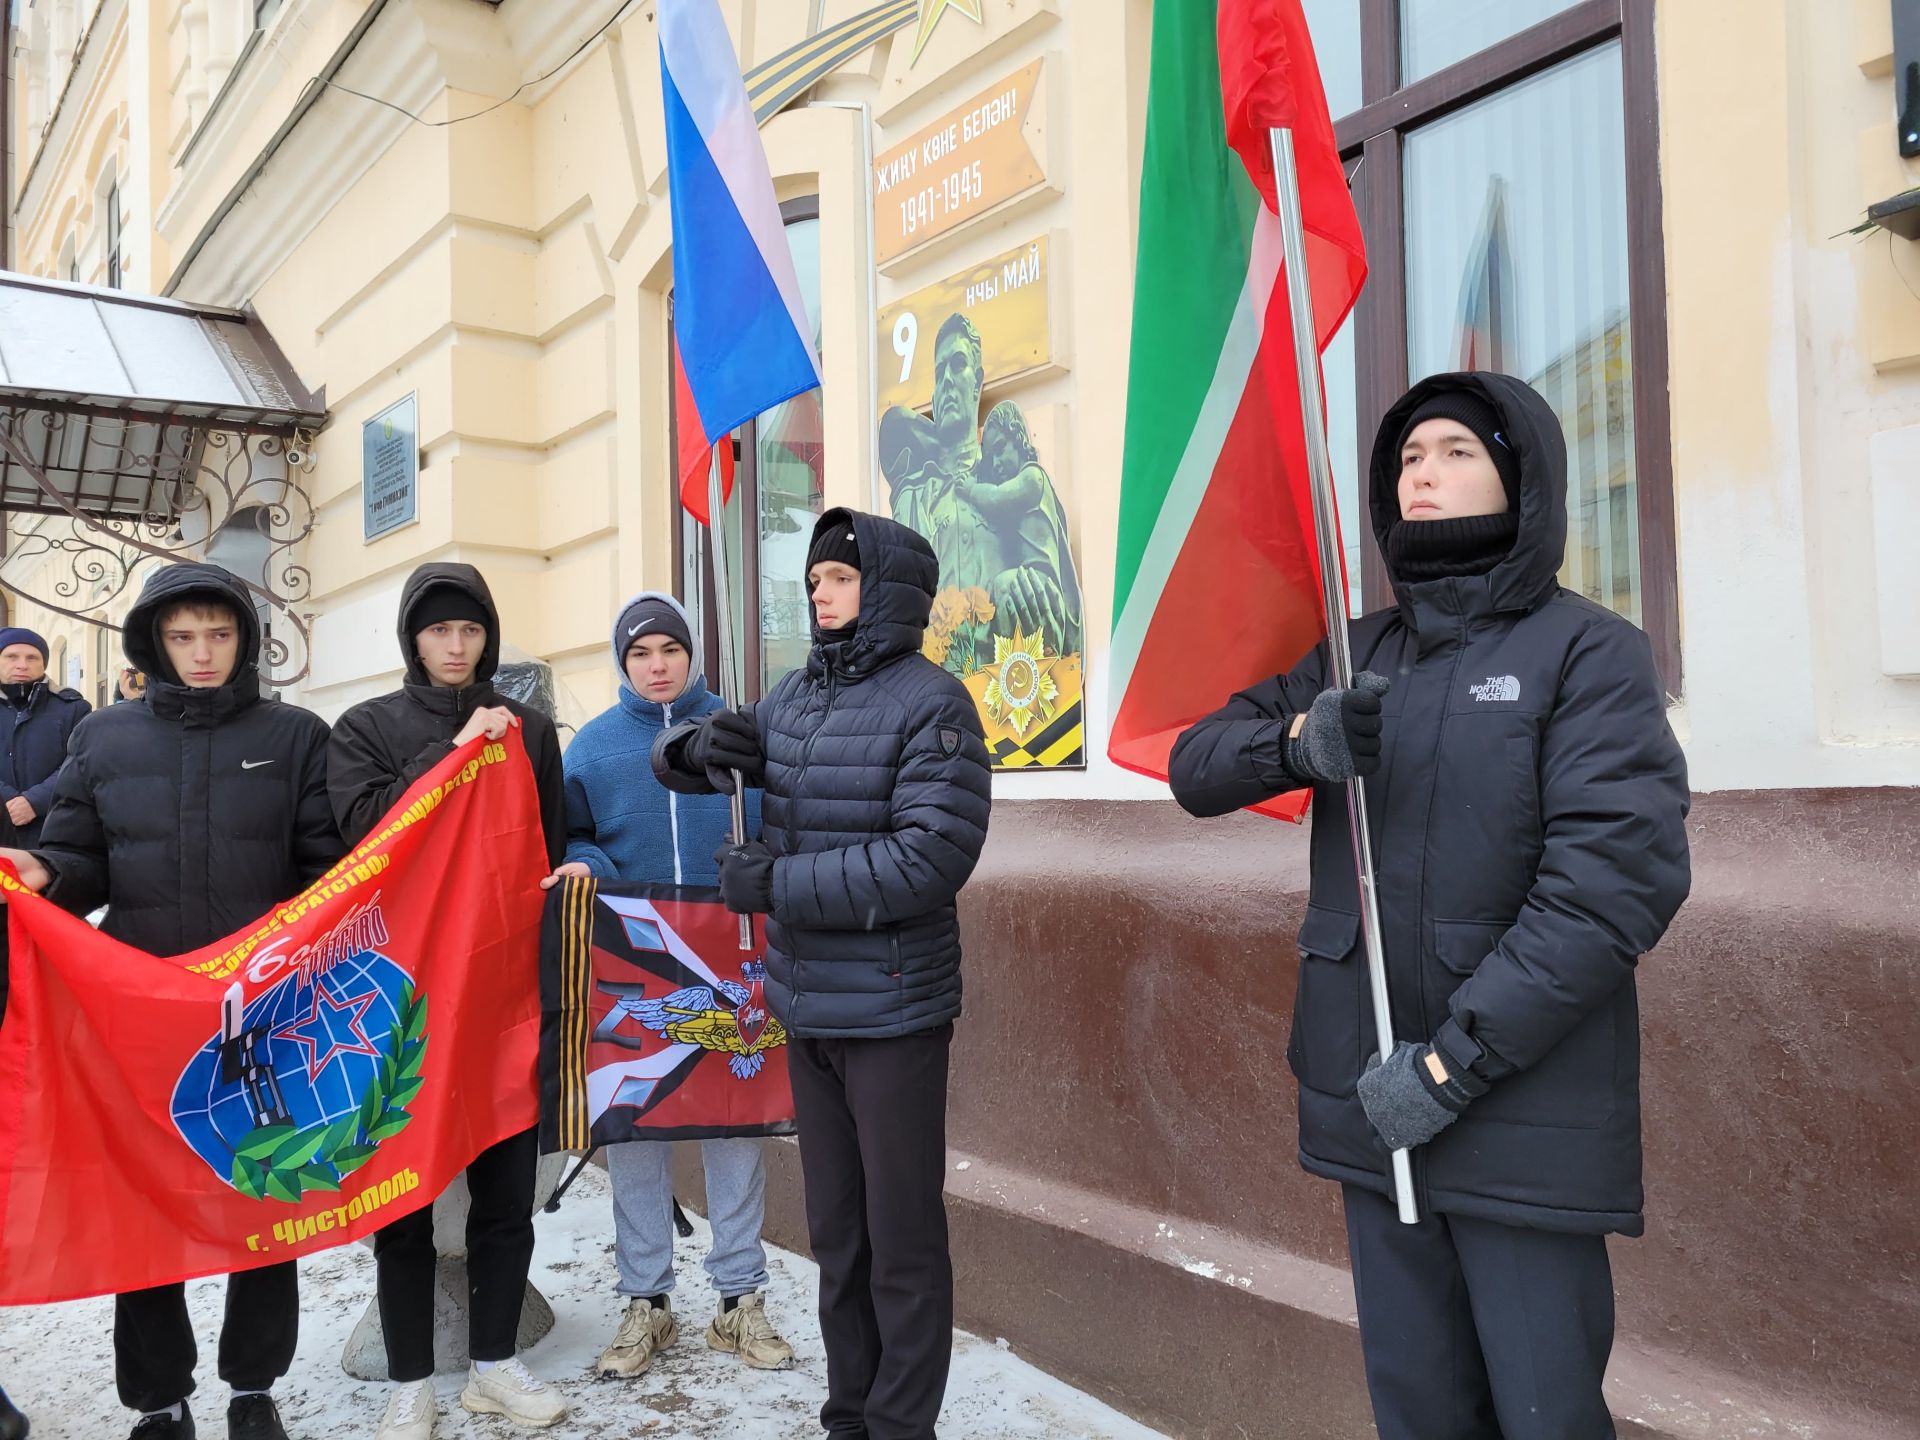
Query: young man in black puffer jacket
{"points": [[189, 814], [1529, 834], [449, 632], [877, 793]]}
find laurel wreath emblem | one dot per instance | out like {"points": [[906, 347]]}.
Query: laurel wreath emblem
{"points": [[284, 1162]]}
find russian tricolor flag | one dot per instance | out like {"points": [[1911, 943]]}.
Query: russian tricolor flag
{"points": [[743, 341]]}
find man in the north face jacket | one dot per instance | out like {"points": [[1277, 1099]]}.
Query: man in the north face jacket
{"points": [[875, 772], [189, 814], [1527, 801]]}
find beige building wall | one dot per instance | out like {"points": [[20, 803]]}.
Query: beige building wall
{"points": [[511, 271]]}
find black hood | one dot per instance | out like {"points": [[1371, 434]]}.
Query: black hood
{"points": [[898, 577], [461, 577], [192, 580], [1525, 578]]}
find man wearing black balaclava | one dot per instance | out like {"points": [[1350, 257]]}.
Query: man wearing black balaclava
{"points": [[1528, 809]]}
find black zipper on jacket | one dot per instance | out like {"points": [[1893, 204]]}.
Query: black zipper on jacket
{"points": [[806, 759]]}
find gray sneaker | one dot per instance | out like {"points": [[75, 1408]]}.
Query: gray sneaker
{"points": [[645, 1330]]}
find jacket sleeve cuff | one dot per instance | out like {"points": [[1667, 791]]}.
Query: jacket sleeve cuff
{"points": [[1267, 752], [1461, 1054], [668, 759]]}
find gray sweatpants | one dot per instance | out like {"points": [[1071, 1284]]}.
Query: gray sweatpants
{"points": [[643, 1215]]}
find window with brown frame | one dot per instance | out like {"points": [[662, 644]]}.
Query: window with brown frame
{"points": [[1503, 156], [780, 479]]}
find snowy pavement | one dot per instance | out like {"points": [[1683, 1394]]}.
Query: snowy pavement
{"points": [[57, 1362]]}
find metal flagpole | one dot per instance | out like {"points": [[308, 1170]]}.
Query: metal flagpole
{"points": [[1306, 355], [730, 676]]}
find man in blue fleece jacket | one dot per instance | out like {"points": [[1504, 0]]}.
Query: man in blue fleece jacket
{"points": [[623, 824]]}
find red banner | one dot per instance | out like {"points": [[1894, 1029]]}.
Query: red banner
{"points": [[656, 1023], [292, 1087]]}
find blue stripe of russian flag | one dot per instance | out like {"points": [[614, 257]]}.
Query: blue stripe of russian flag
{"points": [[738, 315]]}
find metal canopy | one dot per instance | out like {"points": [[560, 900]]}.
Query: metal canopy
{"points": [[153, 426], [125, 386]]}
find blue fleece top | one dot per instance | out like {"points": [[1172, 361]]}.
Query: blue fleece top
{"points": [[621, 822]]}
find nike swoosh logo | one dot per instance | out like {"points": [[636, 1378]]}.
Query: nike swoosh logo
{"points": [[636, 629], [254, 764]]}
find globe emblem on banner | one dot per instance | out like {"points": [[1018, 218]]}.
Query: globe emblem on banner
{"points": [[298, 1088]]}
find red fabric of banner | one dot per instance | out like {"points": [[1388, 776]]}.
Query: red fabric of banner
{"points": [[1270, 80], [694, 457], [292, 1087]]}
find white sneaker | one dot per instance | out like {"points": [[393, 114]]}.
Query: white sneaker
{"points": [[512, 1390], [410, 1413], [645, 1330]]}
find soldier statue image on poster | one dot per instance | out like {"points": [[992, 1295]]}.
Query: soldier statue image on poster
{"points": [[1007, 619]]}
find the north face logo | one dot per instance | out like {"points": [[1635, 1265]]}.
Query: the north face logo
{"points": [[1496, 690]]}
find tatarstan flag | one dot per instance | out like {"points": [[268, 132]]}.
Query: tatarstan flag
{"points": [[1217, 584]]}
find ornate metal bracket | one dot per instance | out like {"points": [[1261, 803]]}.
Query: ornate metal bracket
{"points": [[190, 485]]}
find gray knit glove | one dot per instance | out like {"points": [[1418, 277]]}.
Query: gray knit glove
{"points": [[1339, 737], [1406, 1105]]}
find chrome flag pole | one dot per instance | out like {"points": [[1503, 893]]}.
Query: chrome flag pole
{"points": [[1326, 529], [730, 676]]}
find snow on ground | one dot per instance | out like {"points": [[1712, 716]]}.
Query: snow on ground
{"points": [[57, 1360]]}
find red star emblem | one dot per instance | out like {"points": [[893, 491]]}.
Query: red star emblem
{"points": [[336, 1029]]}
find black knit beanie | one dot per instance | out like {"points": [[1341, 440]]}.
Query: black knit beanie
{"points": [[836, 543], [440, 603], [650, 616], [1484, 421]]}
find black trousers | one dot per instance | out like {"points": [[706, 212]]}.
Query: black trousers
{"points": [[873, 1150], [153, 1349], [1475, 1330], [499, 1250]]}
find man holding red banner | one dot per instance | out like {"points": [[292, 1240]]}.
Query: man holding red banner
{"points": [[188, 815], [449, 632]]}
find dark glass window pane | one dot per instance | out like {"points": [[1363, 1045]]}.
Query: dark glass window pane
{"points": [[1335, 25], [791, 470], [1517, 262], [1436, 33]]}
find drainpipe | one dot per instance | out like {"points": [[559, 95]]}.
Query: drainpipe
{"points": [[6, 143]]}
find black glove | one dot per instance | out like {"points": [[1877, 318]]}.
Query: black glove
{"points": [[1339, 737], [746, 877], [727, 740], [1406, 1105]]}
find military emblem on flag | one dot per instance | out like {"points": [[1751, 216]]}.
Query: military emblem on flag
{"points": [[655, 1026]]}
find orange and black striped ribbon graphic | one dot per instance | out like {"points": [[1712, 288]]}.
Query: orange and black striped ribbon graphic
{"points": [[576, 988]]}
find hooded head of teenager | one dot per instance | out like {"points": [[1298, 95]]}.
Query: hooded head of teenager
{"points": [[871, 581], [655, 651], [1469, 483], [449, 628], [194, 626]]}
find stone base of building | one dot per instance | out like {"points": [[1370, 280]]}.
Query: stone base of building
{"points": [[1127, 1208]]}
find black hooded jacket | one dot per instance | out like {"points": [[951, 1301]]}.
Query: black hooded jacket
{"points": [[1530, 846], [189, 813], [381, 746], [877, 795]]}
